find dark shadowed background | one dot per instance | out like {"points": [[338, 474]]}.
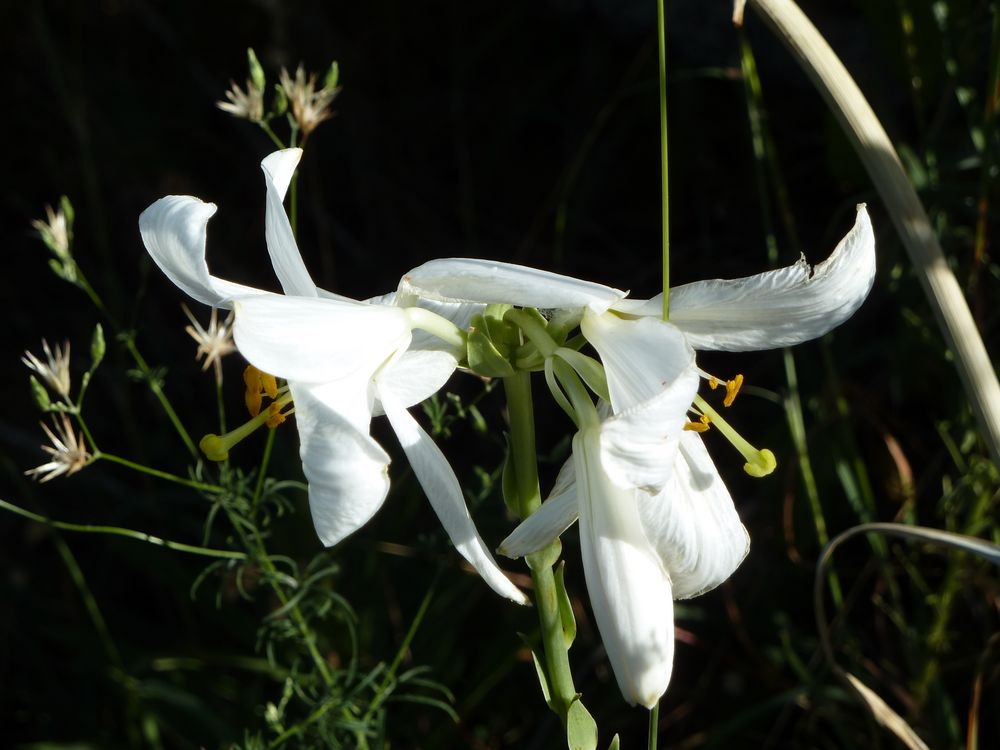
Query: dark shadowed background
{"points": [[526, 132]]}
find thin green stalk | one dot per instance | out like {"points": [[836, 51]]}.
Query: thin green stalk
{"points": [[797, 426], [220, 404], [271, 134], [213, 488], [160, 395], [654, 726], [262, 470], [661, 33], [101, 626], [390, 673], [128, 533], [524, 457]]}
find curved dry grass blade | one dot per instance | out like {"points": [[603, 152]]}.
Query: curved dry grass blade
{"points": [[867, 135], [883, 714], [886, 716]]}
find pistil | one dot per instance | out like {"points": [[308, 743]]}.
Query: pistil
{"points": [[760, 462]]}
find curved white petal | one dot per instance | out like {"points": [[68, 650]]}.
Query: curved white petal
{"points": [[638, 445], [445, 495], [315, 340], [693, 524], [173, 230], [629, 591], [347, 471], [542, 527], [415, 376], [492, 282], [641, 356], [782, 307], [281, 246]]}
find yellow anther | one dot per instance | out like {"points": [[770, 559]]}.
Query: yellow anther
{"points": [[700, 426], [258, 384], [270, 384], [732, 388], [252, 396], [713, 382], [274, 415]]}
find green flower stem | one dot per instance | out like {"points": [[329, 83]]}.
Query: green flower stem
{"points": [[202, 486], [271, 134], [262, 470], [654, 727], [128, 533], [534, 331], [524, 457], [439, 326], [583, 405], [662, 44], [160, 395]]}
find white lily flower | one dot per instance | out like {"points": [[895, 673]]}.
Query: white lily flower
{"points": [[344, 361], [684, 509]]}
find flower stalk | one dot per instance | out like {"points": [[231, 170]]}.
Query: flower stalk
{"points": [[523, 453]]}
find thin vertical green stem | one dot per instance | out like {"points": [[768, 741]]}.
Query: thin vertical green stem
{"points": [[662, 43], [262, 470], [524, 457], [654, 726], [160, 395]]}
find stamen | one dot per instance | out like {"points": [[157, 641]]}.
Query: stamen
{"points": [[760, 462], [701, 425], [217, 447], [258, 384], [732, 388]]}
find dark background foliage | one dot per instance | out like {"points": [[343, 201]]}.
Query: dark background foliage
{"points": [[524, 132]]}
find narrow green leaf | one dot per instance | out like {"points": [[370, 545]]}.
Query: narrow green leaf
{"points": [[581, 729], [614, 743], [543, 679], [565, 606]]}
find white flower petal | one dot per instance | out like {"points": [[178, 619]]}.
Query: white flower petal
{"points": [[629, 591], [641, 356], [347, 471], [638, 445], [316, 340], [542, 527], [492, 282], [693, 524], [445, 495], [281, 246], [173, 230], [782, 307], [415, 376]]}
